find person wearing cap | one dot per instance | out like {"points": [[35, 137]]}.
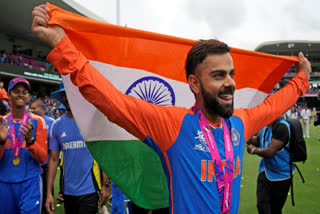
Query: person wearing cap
{"points": [[61, 110], [82, 183], [23, 147], [37, 107]]}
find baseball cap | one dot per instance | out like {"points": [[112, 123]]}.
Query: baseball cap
{"points": [[61, 107], [18, 80], [56, 94]]}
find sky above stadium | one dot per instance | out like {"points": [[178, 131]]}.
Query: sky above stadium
{"points": [[240, 23]]}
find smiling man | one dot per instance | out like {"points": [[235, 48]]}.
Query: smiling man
{"points": [[23, 147], [201, 149]]}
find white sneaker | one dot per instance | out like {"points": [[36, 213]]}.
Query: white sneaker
{"points": [[104, 210]]}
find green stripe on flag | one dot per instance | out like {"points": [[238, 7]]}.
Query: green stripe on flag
{"points": [[137, 169]]}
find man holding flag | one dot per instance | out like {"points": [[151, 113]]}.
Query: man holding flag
{"points": [[201, 149]]}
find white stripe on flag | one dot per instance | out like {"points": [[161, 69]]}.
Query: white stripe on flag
{"points": [[248, 98], [93, 124]]}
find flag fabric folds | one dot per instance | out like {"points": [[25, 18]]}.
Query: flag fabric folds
{"points": [[148, 66]]}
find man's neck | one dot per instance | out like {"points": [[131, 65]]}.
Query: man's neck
{"points": [[70, 115], [212, 117], [17, 113]]}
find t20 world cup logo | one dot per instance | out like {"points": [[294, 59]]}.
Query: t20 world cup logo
{"points": [[152, 89]]}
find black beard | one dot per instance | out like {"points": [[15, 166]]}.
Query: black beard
{"points": [[213, 106]]}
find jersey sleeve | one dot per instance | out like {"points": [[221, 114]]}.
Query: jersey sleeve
{"points": [[53, 138], [39, 150], [273, 107], [3, 147], [3, 95], [138, 117]]}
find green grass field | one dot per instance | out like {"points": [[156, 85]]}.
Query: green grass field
{"points": [[307, 195]]}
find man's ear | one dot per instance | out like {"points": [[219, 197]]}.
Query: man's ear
{"points": [[194, 83]]}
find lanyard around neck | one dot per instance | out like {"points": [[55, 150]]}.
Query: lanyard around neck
{"points": [[223, 177]]}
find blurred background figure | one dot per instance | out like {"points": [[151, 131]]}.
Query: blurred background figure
{"points": [[305, 115]]}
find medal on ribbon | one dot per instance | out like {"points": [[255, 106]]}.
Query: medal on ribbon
{"points": [[16, 139]]}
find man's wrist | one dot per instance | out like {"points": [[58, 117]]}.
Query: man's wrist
{"points": [[252, 150], [30, 142]]}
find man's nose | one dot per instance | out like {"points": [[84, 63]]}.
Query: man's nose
{"points": [[229, 81]]}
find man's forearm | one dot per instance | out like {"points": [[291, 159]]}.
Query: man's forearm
{"points": [[52, 171], [265, 153]]}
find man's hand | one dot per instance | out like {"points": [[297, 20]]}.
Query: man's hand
{"points": [[4, 131], [50, 203], [47, 33], [303, 65], [104, 194], [250, 148], [26, 130]]}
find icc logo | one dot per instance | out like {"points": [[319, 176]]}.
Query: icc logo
{"points": [[154, 90]]}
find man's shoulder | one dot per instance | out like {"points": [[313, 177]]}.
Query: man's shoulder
{"points": [[47, 118], [57, 123], [38, 119], [282, 127]]}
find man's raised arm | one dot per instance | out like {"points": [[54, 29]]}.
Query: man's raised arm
{"points": [[277, 104]]}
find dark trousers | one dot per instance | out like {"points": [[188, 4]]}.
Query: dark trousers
{"points": [[44, 186], [83, 204], [271, 195], [139, 210]]}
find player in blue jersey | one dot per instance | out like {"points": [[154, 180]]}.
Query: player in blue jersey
{"points": [[37, 107], [23, 147], [274, 169], [82, 179], [201, 149]]}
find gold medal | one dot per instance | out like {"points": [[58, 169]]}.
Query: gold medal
{"points": [[16, 161]]}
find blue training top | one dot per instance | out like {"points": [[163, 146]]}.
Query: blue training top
{"points": [[65, 135], [276, 168]]}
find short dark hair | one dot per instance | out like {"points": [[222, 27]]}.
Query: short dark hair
{"points": [[39, 101], [200, 50]]}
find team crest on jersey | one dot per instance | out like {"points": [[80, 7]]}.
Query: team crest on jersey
{"points": [[201, 144], [235, 136]]}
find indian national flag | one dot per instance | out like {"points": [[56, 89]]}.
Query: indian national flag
{"points": [[148, 66]]}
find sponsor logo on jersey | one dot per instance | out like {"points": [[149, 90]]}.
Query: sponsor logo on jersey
{"points": [[64, 134], [201, 144], [74, 145]]}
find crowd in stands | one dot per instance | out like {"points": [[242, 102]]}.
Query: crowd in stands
{"points": [[26, 61]]}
